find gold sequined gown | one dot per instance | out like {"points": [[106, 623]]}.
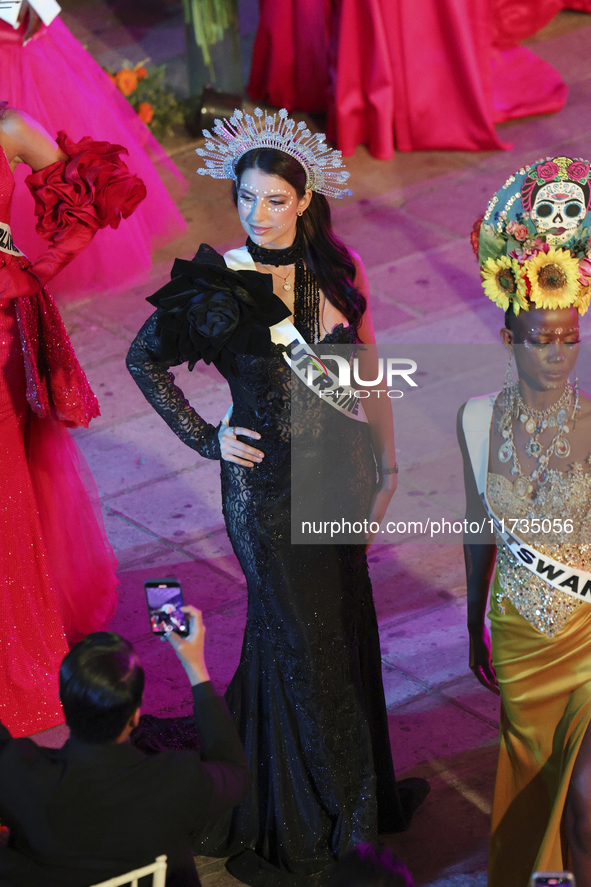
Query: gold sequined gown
{"points": [[541, 651]]}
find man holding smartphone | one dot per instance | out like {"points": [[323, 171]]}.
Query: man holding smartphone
{"points": [[98, 806]]}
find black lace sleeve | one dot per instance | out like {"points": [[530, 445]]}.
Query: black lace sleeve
{"points": [[156, 383]]}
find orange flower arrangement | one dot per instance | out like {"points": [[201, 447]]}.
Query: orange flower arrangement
{"points": [[147, 94], [126, 80], [145, 112]]}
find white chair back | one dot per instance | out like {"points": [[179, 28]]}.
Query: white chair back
{"points": [[156, 869]]}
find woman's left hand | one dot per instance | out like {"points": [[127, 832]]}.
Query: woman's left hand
{"points": [[233, 450], [381, 500]]}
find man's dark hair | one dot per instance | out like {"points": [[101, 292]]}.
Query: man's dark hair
{"points": [[371, 865], [101, 685]]}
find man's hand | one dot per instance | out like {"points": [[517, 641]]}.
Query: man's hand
{"points": [[190, 649]]}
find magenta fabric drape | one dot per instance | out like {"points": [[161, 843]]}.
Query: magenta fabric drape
{"points": [[407, 74]]}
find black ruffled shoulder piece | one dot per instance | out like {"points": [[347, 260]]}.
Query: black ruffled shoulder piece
{"points": [[211, 313]]}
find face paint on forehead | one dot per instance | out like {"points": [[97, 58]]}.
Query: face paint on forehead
{"points": [[562, 189], [557, 336], [557, 330]]}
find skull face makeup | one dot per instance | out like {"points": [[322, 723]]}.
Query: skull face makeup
{"points": [[558, 209]]}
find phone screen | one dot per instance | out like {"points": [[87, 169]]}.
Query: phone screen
{"points": [[165, 599]]}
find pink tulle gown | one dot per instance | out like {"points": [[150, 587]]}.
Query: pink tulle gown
{"points": [[58, 83], [57, 569]]}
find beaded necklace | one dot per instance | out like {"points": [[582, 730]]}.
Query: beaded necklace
{"points": [[535, 423]]}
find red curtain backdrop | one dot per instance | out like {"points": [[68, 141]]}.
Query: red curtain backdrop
{"points": [[407, 74]]}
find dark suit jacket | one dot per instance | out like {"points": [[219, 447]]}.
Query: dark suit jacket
{"points": [[84, 813]]}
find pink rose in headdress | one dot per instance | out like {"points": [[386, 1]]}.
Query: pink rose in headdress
{"points": [[578, 170], [547, 171], [519, 232], [585, 271]]}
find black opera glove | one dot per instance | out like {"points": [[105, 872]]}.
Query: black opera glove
{"points": [[151, 374]]}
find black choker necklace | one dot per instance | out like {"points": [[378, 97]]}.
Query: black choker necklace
{"points": [[276, 256]]}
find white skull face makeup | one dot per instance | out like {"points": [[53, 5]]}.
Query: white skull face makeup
{"points": [[559, 208]]}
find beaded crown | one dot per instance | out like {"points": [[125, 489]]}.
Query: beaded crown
{"points": [[534, 243], [242, 132]]}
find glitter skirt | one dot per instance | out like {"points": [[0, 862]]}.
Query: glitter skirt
{"points": [[57, 580], [545, 685]]}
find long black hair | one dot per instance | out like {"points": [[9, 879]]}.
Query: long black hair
{"points": [[324, 254]]}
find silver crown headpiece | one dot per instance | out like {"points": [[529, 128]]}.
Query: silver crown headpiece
{"points": [[241, 133]]}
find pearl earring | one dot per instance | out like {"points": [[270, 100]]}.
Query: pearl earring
{"points": [[300, 212]]}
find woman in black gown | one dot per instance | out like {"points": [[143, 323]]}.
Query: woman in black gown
{"points": [[307, 695]]}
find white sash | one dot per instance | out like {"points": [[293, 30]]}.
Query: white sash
{"points": [[476, 422], [302, 359], [45, 9], [6, 242]]}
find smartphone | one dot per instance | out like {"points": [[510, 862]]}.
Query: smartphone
{"points": [[164, 598], [552, 879]]}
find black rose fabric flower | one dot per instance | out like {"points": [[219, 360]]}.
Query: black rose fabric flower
{"points": [[211, 313]]}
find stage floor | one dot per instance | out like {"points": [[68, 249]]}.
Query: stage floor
{"points": [[410, 220]]}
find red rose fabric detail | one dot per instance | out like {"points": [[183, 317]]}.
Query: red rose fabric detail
{"points": [[547, 171], [578, 170], [76, 197], [93, 188]]}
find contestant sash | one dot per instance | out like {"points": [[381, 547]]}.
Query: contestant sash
{"points": [[6, 242], [45, 9], [301, 357], [476, 422]]}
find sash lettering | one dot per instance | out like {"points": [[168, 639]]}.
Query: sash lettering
{"points": [[6, 241], [548, 569]]}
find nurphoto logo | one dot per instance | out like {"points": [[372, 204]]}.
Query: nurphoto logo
{"points": [[396, 369]]}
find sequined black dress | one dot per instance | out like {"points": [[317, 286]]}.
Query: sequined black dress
{"points": [[307, 696]]}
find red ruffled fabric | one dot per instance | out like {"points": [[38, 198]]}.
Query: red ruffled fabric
{"points": [[92, 189], [74, 198]]}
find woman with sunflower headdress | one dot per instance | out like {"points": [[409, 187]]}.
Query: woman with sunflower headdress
{"points": [[527, 453]]}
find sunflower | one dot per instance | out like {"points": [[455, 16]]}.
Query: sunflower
{"points": [[554, 279], [582, 302], [504, 283]]}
